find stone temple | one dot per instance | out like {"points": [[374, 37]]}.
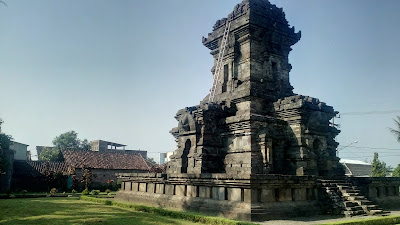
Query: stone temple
{"points": [[258, 150]]}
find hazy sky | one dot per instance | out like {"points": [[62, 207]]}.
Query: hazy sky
{"points": [[119, 70]]}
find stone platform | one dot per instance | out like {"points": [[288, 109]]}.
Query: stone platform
{"points": [[248, 197], [244, 197]]}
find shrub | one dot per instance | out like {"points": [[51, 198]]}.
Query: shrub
{"points": [[24, 192], [73, 191], [107, 191], [95, 192], [53, 191], [85, 192], [108, 202]]}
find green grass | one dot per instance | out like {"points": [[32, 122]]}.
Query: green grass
{"points": [[188, 216], [58, 211], [387, 220]]}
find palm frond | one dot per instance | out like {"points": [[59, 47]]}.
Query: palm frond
{"points": [[397, 121], [396, 132]]}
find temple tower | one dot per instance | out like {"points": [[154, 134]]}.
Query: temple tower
{"points": [[256, 59], [256, 124], [257, 150]]}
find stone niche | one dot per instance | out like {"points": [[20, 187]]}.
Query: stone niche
{"points": [[256, 151]]}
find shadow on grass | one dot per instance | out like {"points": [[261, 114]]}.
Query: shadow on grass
{"points": [[73, 211]]}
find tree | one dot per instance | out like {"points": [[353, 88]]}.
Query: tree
{"points": [[67, 141], [50, 154], [379, 168], [396, 171], [85, 145], [70, 141], [5, 142], [396, 132], [86, 176], [151, 161]]}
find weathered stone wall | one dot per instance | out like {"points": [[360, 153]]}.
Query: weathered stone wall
{"points": [[101, 176], [241, 196], [381, 190]]}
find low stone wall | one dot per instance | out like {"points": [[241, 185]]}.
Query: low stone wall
{"points": [[241, 197], [381, 190]]}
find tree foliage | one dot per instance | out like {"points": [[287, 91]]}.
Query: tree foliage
{"points": [[70, 141], [151, 161], [85, 145], [379, 168], [50, 154], [67, 141], [396, 171], [396, 131], [5, 142], [87, 175]]}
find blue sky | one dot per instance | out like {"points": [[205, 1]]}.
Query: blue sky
{"points": [[120, 70]]}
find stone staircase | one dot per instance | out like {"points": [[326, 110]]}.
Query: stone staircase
{"points": [[347, 199]]}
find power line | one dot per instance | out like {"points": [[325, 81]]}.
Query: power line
{"points": [[369, 113], [391, 149], [372, 156]]}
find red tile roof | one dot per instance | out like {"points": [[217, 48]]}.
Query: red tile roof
{"points": [[37, 168], [105, 160]]}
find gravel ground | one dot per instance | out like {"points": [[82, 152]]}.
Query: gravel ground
{"points": [[318, 219]]}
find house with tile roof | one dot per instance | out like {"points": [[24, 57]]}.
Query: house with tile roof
{"points": [[29, 175], [104, 165]]}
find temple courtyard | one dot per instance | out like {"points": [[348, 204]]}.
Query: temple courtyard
{"points": [[72, 210]]}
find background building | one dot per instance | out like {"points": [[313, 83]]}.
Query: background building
{"points": [[21, 151], [103, 146], [356, 168]]}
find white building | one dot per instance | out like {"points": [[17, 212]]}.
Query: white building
{"points": [[356, 168], [21, 151]]}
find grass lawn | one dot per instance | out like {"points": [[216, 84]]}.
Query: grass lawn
{"points": [[73, 211]]}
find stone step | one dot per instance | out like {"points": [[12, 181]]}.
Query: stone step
{"points": [[354, 208], [332, 188], [345, 194], [355, 198], [354, 213], [370, 207], [364, 202], [332, 181], [345, 187], [350, 203], [377, 212], [351, 191]]}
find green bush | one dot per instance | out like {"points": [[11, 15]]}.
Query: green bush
{"points": [[95, 192], [107, 191], [53, 191], [74, 191], [194, 217], [85, 192], [108, 202]]}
